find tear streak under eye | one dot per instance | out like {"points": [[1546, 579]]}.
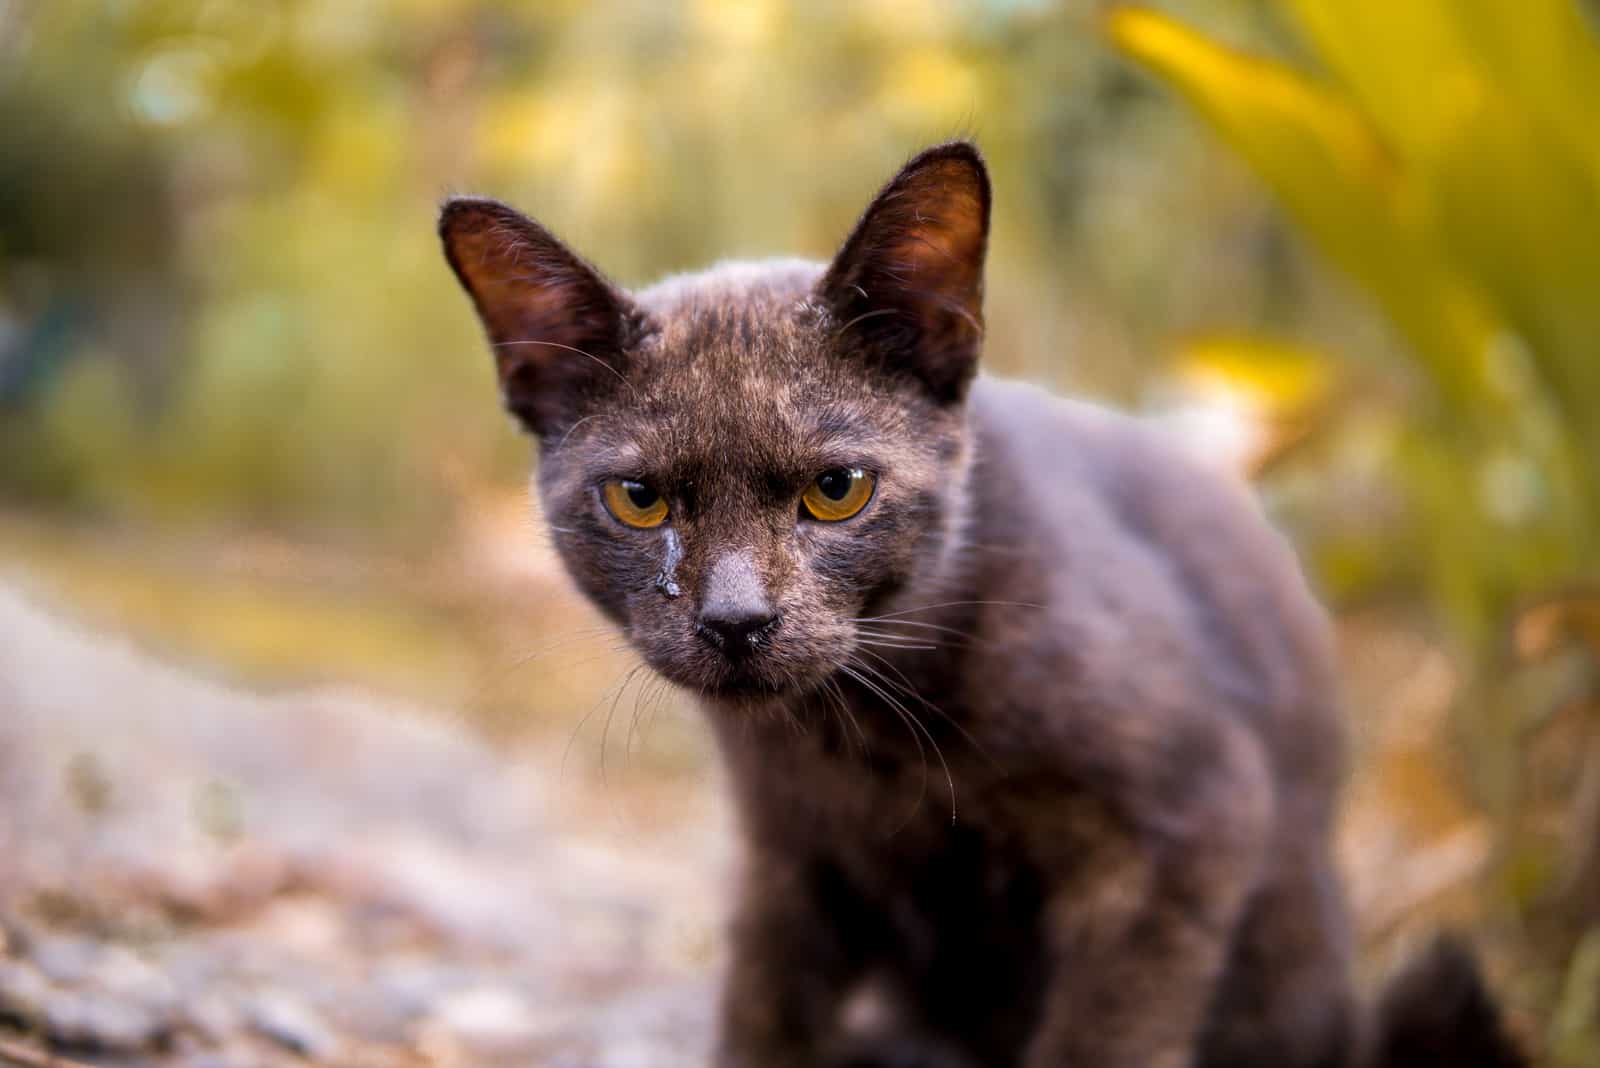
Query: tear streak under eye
{"points": [[667, 577]]}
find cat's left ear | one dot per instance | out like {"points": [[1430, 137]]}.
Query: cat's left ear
{"points": [[907, 287]]}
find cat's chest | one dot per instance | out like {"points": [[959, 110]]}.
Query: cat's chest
{"points": [[909, 795], [907, 875], [920, 861]]}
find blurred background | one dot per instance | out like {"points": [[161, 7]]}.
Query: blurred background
{"points": [[269, 581]]}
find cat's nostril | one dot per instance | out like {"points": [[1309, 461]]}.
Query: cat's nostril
{"points": [[737, 633]]}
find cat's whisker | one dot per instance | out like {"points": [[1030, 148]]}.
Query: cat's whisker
{"points": [[906, 688], [554, 643], [890, 644], [834, 712], [796, 724], [664, 696], [658, 691], [577, 729], [634, 720], [913, 643], [851, 669], [602, 653], [845, 714], [605, 728], [953, 604], [884, 630], [652, 696], [633, 723], [911, 691], [865, 674], [896, 635], [855, 720], [918, 624], [496, 679]]}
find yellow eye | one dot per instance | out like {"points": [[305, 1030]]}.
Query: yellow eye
{"points": [[634, 503], [838, 493]]}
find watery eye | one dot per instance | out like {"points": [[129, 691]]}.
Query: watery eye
{"points": [[838, 493], [634, 503]]}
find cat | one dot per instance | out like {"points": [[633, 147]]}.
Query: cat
{"points": [[1030, 721]]}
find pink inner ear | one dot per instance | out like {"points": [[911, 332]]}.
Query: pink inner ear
{"points": [[938, 241], [554, 323], [908, 284], [521, 295], [920, 246], [925, 252]]}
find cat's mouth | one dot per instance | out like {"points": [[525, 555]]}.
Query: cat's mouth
{"points": [[757, 678]]}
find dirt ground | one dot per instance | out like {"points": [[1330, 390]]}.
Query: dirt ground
{"points": [[194, 875]]}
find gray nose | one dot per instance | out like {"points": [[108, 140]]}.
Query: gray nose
{"points": [[735, 613]]}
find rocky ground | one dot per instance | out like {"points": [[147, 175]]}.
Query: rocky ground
{"points": [[194, 875]]}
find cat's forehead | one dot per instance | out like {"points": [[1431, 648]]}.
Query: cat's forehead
{"points": [[740, 364], [748, 282], [744, 342], [732, 319]]}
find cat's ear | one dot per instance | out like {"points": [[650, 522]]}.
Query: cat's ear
{"points": [[908, 284], [560, 332]]}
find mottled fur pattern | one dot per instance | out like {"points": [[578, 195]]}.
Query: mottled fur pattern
{"points": [[1036, 756]]}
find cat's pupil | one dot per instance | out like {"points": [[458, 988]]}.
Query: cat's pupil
{"points": [[641, 495], [835, 484]]}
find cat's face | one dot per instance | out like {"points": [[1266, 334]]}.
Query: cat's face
{"points": [[788, 491], [739, 467]]}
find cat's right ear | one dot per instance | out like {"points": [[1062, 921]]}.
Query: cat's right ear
{"points": [[907, 287], [560, 332]]}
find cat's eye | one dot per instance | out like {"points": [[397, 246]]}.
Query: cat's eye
{"points": [[838, 493], [634, 503]]}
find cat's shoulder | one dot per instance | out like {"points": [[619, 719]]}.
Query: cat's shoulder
{"points": [[1124, 481], [1100, 444]]}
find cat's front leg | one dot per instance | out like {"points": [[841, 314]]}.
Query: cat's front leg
{"points": [[1134, 1001], [1140, 927], [786, 975]]}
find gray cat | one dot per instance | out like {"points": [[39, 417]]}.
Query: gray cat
{"points": [[1031, 721]]}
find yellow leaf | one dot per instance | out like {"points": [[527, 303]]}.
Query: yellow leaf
{"points": [[1279, 377], [1334, 174]]}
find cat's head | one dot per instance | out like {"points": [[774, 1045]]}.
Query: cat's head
{"points": [[741, 465]]}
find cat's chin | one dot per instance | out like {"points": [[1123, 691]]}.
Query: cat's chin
{"points": [[732, 686], [747, 690], [750, 684]]}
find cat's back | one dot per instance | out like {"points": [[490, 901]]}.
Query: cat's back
{"points": [[1155, 574]]}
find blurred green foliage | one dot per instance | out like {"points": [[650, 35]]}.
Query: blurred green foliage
{"points": [[1445, 155], [273, 167]]}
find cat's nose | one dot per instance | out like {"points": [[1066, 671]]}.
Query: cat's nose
{"points": [[735, 612], [738, 634]]}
